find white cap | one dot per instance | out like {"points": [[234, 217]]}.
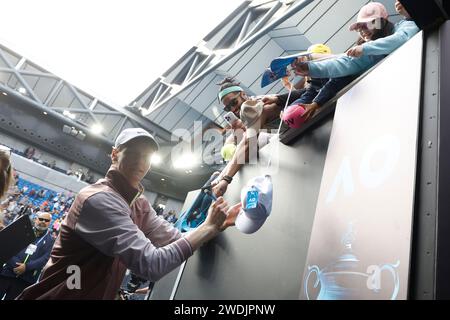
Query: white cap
{"points": [[132, 133], [252, 217], [251, 111]]}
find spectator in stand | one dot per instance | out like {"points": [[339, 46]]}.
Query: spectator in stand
{"points": [[41, 193], [29, 152], [3, 211], [62, 206], [15, 190], [12, 205], [8, 218], [52, 164], [26, 210], [56, 225], [54, 235], [159, 210], [32, 193], [55, 213], [18, 209], [24, 200], [171, 217], [44, 204]]}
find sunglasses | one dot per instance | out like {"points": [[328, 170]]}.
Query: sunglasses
{"points": [[43, 219], [233, 103]]}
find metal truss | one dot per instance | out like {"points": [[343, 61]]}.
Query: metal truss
{"points": [[248, 23], [68, 103]]}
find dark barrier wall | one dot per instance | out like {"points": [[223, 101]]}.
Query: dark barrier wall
{"points": [[443, 252], [430, 262], [267, 264]]}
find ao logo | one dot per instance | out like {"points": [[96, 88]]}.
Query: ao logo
{"points": [[387, 145]]}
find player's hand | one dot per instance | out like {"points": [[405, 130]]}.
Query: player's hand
{"points": [[232, 214]]}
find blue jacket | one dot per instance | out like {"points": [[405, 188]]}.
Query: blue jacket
{"points": [[35, 262], [373, 52], [403, 31]]}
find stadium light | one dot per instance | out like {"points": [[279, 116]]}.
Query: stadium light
{"points": [[22, 90], [97, 128], [186, 161], [156, 159], [69, 114]]}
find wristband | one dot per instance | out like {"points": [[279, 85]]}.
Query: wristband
{"points": [[227, 179]]}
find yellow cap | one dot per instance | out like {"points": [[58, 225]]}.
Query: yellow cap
{"points": [[319, 48]]}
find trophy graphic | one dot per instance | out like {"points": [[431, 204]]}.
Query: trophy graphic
{"points": [[345, 279]]}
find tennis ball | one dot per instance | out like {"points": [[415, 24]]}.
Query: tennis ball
{"points": [[228, 151]]}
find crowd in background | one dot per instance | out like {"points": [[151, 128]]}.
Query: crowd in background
{"points": [[30, 153], [26, 198]]}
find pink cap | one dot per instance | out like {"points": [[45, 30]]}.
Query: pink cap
{"points": [[293, 116], [370, 12]]}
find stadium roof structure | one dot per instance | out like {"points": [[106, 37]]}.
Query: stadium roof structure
{"points": [[241, 46]]}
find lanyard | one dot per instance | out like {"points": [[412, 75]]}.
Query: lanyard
{"points": [[36, 244], [42, 238]]}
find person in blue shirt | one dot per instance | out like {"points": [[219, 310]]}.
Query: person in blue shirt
{"points": [[330, 76], [404, 30], [23, 270], [365, 54]]}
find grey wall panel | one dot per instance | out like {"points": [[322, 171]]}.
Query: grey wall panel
{"points": [[178, 111], [343, 39], [213, 111], [330, 20], [285, 32], [258, 62], [296, 42], [253, 51], [195, 88], [187, 120], [294, 20], [314, 15], [153, 115], [165, 109], [268, 264], [202, 97], [390, 6], [231, 62]]}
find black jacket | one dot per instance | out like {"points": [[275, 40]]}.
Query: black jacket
{"points": [[35, 262]]}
